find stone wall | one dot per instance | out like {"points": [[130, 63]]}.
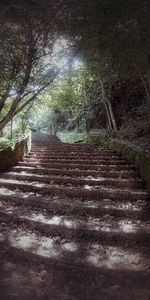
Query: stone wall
{"points": [[134, 154], [10, 157]]}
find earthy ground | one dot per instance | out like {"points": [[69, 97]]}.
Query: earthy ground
{"points": [[74, 225]]}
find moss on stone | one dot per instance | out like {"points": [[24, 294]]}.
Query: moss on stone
{"points": [[10, 156], [137, 156]]}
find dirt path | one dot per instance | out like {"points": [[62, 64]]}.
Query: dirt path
{"points": [[74, 225]]}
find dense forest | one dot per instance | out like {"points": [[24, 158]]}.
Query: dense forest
{"points": [[76, 66]]}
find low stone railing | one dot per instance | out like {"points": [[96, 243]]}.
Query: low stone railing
{"points": [[137, 156], [10, 156]]}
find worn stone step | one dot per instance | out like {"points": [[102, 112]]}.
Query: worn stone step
{"points": [[75, 156], [78, 166], [76, 172], [91, 281], [77, 181], [70, 148], [82, 192], [75, 161], [64, 251], [77, 147], [74, 206], [87, 229], [71, 153]]}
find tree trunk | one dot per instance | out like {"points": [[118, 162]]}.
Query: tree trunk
{"points": [[4, 98], [87, 127], [11, 129], [109, 111], [77, 124], [10, 114], [112, 116], [108, 117], [4, 122]]}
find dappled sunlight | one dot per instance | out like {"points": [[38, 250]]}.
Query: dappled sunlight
{"points": [[43, 246], [39, 184], [22, 241], [5, 191], [8, 180], [128, 226], [122, 206], [22, 173], [56, 220], [98, 256], [116, 258], [26, 195], [70, 246], [95, 179], [105, 223], [108, 224], [26, 167], [87, 187]]}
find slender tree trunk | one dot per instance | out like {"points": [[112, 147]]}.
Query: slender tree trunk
{"points": [[4, 98], [113, 120], [1, 133], [78, 124], [108, 117], [11, 128], [109, 111], [87, 126]]}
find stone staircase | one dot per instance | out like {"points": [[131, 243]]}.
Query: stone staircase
{"points": [[74, 225]]}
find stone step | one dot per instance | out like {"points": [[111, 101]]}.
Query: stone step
{"points": [[73, 153], [78, 166], [75, 156], [88, 229], [74, 206], [58, 250], [77, 181], [76, 172], [81, 192], [79, 147], [75, 161]]}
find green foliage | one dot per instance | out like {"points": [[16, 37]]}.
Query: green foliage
{"points": [[6, 143], [45, 118], [78, 92], [71, 137], [111, 38]]}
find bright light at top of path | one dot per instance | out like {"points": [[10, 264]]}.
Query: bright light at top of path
{"points": [[77, 64], [62, 57], [60, 44]]}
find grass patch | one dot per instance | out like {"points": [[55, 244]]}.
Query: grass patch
{"points": [[71, 137]]}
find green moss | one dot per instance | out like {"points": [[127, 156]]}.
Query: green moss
{"points": [[11, 155], [140, 158]]}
